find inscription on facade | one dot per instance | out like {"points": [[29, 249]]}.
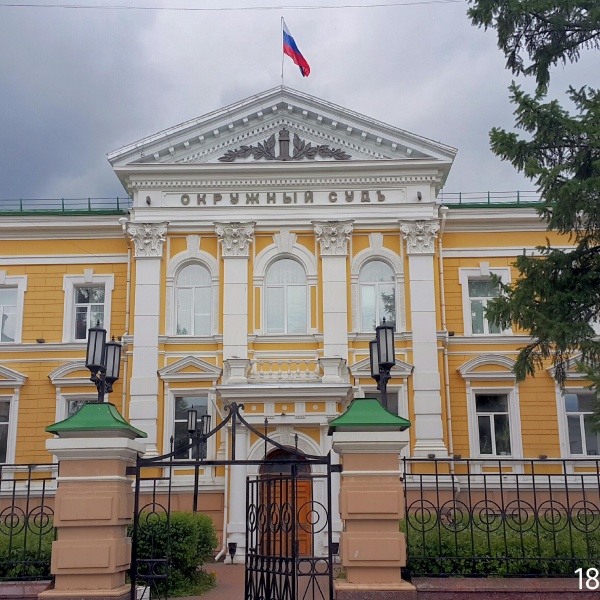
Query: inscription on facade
{"points": [[287, 198]]}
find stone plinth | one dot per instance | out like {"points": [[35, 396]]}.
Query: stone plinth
{"points": [[93, 505], [373, 550]]}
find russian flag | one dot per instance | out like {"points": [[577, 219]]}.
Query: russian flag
{"points": [[291, 49]]}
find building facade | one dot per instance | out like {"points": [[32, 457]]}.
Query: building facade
{"points": [[262, 245]]}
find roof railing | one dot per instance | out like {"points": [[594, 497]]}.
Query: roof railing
{"points": [[474, 199], [65, 205]]}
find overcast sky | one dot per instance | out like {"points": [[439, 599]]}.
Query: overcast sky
{"points": [[77, 84]]}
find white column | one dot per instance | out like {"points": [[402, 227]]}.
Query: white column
{"points": [[333, 238], [427, 401], [235, 241], [236, 526], [148, 239]]}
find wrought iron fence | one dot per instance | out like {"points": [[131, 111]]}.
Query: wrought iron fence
{"points": [[501, 517], [26, 521]]}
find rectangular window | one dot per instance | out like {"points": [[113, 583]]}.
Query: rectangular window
{"points": [[493, 424], [579, 407], [4, 425], [481, 291], [181, 437], [8, 314], [89, 309]]}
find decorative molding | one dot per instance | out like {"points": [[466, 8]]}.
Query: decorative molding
{"points": [[59, 376], [11, 378], [235, 238], [333, 237], [285, 240], [469, 370], [148, 238], [420, 236], [301, 150], [205, 371], [362, 369]]}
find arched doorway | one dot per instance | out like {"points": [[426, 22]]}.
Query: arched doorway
{"points": [[287, 491]]}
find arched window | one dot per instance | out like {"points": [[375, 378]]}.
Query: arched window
{"points": [[193, 300], [285, 297], [377, 295]]}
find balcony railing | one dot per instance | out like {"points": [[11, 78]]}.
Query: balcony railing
{"points": [[293, 369], [501, 517], [496, 199], [73, 206]]}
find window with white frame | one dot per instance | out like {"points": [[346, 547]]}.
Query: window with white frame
{"points": [[87, 302], [478, 289], [286, 298], [377, 295], [8, 314], [181, 436], [481, 291], [193, 291], [579, 407], [493, 424], [4, 428], [89, 309], [12, 300]]}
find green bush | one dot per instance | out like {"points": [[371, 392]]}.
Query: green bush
{"points": [[188, 540], [26, 555], [503, 552]]}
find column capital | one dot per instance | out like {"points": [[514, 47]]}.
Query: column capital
{"points": [[235, 238], [420, 236], [148, 238], [333, 236]]}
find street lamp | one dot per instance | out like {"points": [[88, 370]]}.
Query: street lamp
{"points": [[382, 357], [199, 447], [103, 359]]}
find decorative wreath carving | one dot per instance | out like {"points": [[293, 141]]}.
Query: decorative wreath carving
{"points": [[301, 150]]}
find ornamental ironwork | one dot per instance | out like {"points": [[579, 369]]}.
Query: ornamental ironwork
{"points": [[301, 150]]}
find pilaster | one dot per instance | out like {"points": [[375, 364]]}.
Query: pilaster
{"points": [[235, 239], [420, 239], [148, 241], [333, 237], [236, 527]]}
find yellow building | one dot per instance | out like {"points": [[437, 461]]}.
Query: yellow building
{"points": [[261, 245]]}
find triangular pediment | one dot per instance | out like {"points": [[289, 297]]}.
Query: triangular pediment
{"points": [[362, 368], [11, 378], [190, 368], [250, 131]]}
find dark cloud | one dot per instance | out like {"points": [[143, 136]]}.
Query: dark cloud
{"points": [[76, 84]]}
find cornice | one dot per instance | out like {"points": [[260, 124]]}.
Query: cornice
{"points": [[286, 175], [490, 340], [30, 348]]}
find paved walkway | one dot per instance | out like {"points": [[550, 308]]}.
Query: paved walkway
{"points": [[230, 582]]}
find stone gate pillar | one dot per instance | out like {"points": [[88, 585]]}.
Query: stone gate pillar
{"points": [[93, 504], [372, 549]]}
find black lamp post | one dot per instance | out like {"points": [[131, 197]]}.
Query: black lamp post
{"points": [[103, 359], [382, 357], [200, 445]]}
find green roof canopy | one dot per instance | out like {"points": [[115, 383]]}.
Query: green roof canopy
{"points": [[99, 418], [367, 414]]}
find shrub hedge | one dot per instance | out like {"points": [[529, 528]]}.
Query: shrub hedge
{"points": [[532, 550], [188, 539], [26, 555]]}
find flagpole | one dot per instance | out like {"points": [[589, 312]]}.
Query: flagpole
{"points": [[282, 54]]}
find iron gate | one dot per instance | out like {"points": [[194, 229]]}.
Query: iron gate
{"points": [[288, 525]]}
